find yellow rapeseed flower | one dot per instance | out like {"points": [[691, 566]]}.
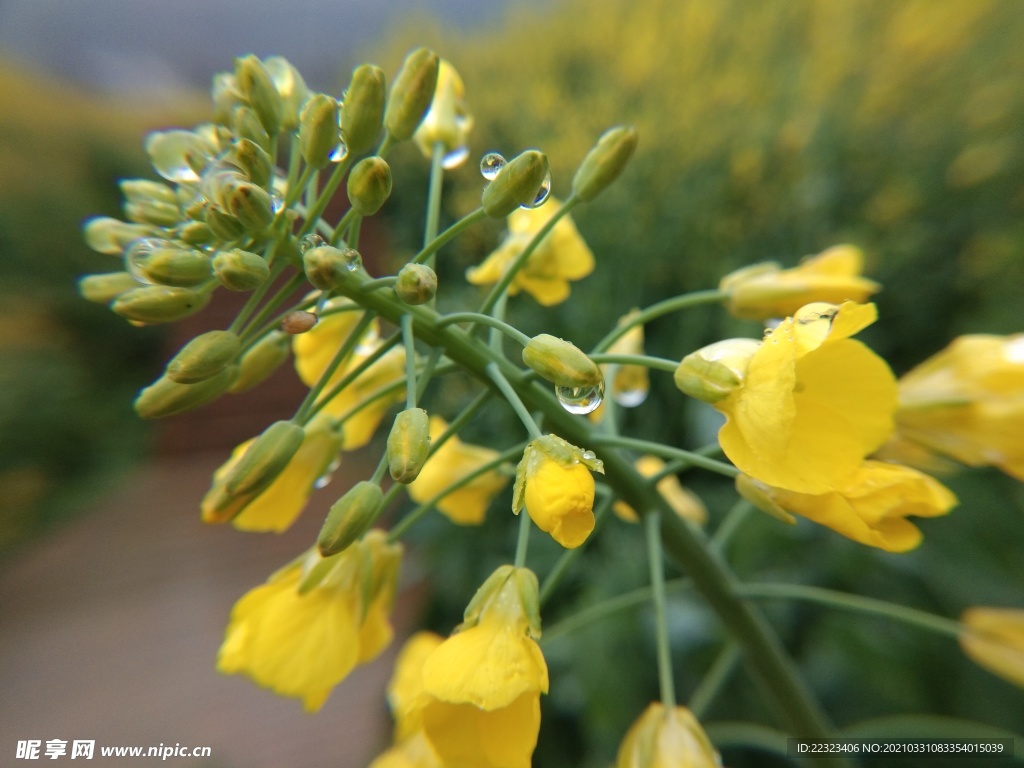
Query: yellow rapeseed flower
{"points": [[994, 639], [554, 483], [685, 503], [450, 463], [484, 682], [448, 121], [967, 403], [663, 738], [300, 636], [560, 257], [870, 508], [763, 291]]}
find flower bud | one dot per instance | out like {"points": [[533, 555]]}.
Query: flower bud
{"points": [[150, 212], [225, 226], [363, 109], [448, 121], [258, 89], [226, 96], [158, 304], [145, 191], [182, 267], [319, 133], [245, 124], [298, 322], [561, 363], [411, 93], [416, 284], [263, 460], [111, 236], [260, 361], [517, 184], [604, 162], [250, 158], [369, 185], [715, 371], [165, 397], [326, 266], [106, 287], [252, 206], [350, 517], [239, 270], [291, 86], [204, 357], [408, 444], [667, 736], [196, 233], [179, 155]]}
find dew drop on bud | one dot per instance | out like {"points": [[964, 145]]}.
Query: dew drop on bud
{"points": [[589, 455], [542, 194], [137, 254], [308, 242], [340, 152], [276, 203], [297, 322], [352, 259], [490, 165], [580, 400]]}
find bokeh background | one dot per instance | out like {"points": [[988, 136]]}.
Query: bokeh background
{"points": [[768, 130]]}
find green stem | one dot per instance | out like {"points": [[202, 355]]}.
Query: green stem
{"points": [[434, 196], [410, 361], [454, 230], [658, 363], [488, 320], [346, 221], [655, 558], [382, 466], [257, 296], [302, 415], [715, 679], [506, 388], [734, 518], [286, 290], [326, 195], [692, 458], [355, 373], [675, 304], [570, 556], [524, 538]]}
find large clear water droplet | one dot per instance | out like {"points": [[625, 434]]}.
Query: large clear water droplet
{"points": [[340, 152], [455, 158], [308, 242], [580, 400], [137, 254], [589, 455], [542, 194], [353, 260], [176, 155], [490, 165]]}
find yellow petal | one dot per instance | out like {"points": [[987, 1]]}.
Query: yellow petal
{"points": [[464, 736], [405, 690], [560, 500], [315, 349], [994, 639], [411, 752], [663, 738]]}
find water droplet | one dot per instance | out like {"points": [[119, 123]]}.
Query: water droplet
{"points": [[352, 259], [589, 455], [328, 474], [176, 154], [137, 254], [340, 152], [310, 241], [629, 398], [490, 165], [580, 400], [542, 194], [276, 202], [455, 158], [298, 322]]}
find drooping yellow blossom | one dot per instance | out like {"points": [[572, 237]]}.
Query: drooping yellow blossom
{"points": [[448, 121], [685, 503], [560, 257], [554, 483], [663, 738], [766, 290], [483, 683], [994, 639], [450, 463], [277, 507], [967, 403], [413, 752], [871, 508], [811, 402], [302, 632]]}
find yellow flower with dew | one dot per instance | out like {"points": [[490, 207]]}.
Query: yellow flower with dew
{"points": [[993, 638], [871, 508], [483, 683], [303, 632], [967, 403], [554, 483], [766, 290], [562, 256], [448, 121], [667, 738], [805, 406], [450, 463], [684, 503], [278, 506]]}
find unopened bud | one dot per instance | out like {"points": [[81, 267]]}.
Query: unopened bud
{"points": [[157, 214], [363, 109], [715, 371], [182, 267], [369, 185], [298, 322], [165, 397], [252, 206], [179, 155], [144, 191], [416, 284], [258, 89], [517, 184], [158, 304], [291, 86], [239, 270], [408, 444], [204, 357], [411, 93], [319, 133], [260, 361], [246, 125], [106, 287], [106, 235], [561, 363], [604, 162], [226, 96], [225, 226], [325, 267], [196, 233], [250, 158], [350, 517]]}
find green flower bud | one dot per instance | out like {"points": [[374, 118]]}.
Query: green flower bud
{"points": [[239, 270], [408, 444], [326, 266], [145, 191], [180, 156], [715, 371], [258, 89], [252, 206], [250, 158], [291, 86], [226, 96], [411, 93], [106, 287], [157, 214], [204, 357], [264, 459], [261, 360], [165, 397], [369, 185], [106, 235], [196, 233], [350, 517], [363, 109], [319, 134], [245, 124], [604, 162], [158, 304], [561, 363], [225, 226], [416, 284], [182, 267], [517, 184]]}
